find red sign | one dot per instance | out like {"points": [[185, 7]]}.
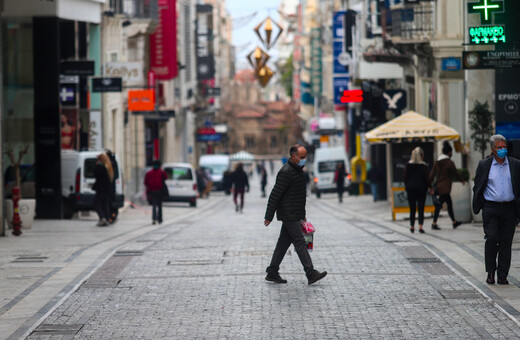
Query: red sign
{"points": [[151, 80], [352, 96], [141, 100], [206, 131], [163, 43]]}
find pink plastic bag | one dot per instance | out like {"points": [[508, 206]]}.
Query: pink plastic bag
{"points": [[307, 227]]}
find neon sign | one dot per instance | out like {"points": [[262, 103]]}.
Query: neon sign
{"points": [[483, 35], [485, 8]]}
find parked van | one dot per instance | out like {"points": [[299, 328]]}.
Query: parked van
{"points": [[77, 178], [217, 165], [324, 168], [181, 182]]}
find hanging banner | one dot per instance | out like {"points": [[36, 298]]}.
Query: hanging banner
{"points": [[163, 43], [204, 35]]}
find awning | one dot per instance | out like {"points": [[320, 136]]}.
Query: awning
{"points": [[410, 127], [242, 156]]}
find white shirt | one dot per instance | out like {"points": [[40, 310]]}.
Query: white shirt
{"points": [[499, 187]]}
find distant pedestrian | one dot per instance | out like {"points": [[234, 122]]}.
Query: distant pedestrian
{"points": [[339, 179], [153, 180], [263, 179], [287, 199], [226, 181], [441, 179], [416, 185], [113, 209], [375, 177], [208, 182], [497, 193], [104, 175], [240, 184], [201, 180]]}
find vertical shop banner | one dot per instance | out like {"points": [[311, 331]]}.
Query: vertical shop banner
{"points": [[316, 66], [204, 35], [507, 103], [163, 43], [95, 131], [341, 58]]}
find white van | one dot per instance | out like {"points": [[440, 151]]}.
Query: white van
{"points": [[181, 181], [77, 178], [324, 168], [217, 165]]}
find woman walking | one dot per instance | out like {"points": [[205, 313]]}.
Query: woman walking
{"points": [[153, 181], [442, 173], [104, 175], [416, 185], [240, 184]]}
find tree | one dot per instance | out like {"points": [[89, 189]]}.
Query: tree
{"points": [[481, 123], [287, 76]]}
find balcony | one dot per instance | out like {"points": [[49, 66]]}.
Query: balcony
{"points": [[137, 9], [412, 24]]}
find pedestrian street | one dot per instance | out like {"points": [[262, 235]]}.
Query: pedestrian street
{"points": [[203, 278]]}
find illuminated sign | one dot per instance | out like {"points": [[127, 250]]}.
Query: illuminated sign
{"points": [[486, 8], [352, 96], [483, 35]]}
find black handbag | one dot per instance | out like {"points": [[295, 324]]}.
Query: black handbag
{"points": [[164, 190]]}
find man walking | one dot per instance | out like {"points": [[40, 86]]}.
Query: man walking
{"points": [[496, 192], [288, 200]]}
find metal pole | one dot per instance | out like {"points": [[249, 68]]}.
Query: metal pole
{"points": [[2, 220]]}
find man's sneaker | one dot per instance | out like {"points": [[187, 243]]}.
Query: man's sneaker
{"points": [[275, 277], [316, 276]]}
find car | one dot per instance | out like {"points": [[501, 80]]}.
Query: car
{"points": [[77, 178], [217, 165], [324, 167], [181, 182]]}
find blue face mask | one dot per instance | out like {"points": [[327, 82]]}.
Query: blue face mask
{"points": [[302, 162], [501, 153]]}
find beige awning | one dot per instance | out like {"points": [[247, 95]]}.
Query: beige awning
{"points": [[410, 127]]}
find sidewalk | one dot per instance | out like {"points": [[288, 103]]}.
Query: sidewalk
{"points": [[461, 248], [49, 261]]}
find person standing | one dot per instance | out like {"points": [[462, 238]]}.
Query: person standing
{"points": [[416, 185], [113, 208], [104, 175], [497, 193], [263, 179], [339, 179], [153, 180], [287, 199], [374, 177], [444, 170], [240, 184]]}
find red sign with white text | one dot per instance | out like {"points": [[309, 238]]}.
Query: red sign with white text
{"points": [[352, 96], [163, 43]]}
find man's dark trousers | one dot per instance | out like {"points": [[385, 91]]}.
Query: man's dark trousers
{"points": [[499, 221], [291, 233]]}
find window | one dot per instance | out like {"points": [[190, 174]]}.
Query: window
{"points": [[178, 173], [250, 142], [88, 167], [329, 166], [273, 143]]}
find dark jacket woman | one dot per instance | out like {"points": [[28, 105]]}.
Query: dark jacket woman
{"points": [[339, 179], [104, 175], [288, 195], [416, 185]]}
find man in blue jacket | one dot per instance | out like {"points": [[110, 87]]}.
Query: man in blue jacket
{"points": [[287, 199]]}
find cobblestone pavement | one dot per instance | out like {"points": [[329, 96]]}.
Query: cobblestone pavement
{"points": [[203, 278]]}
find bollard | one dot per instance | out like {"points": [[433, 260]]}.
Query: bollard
{"points": [[17, 222]]}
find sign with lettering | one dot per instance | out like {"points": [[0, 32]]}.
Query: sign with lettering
{"points": [[490, 59], [204, 36], [163, 43], [483, 35], [107, 84], [130, 72], [141, 100]]}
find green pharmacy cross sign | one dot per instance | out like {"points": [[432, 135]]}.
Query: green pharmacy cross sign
{"points": [[484, 35], [485, 8]]}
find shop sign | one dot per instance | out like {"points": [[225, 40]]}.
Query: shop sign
{"points": [[352, 96], [77, 67], [131, 72], [107, 84], [485, 35], [486, 9], [141, 100], [163, 43], [490, 59]]}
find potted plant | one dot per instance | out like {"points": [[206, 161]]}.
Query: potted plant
{"points": [[481, 123], [26, 206]]}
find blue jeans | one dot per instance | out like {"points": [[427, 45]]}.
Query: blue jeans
{"points": [[374, 189]]}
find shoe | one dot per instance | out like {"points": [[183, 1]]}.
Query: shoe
{"points": [[102, 223], [275, 277], [316, 276], [421, 231], [502, 281], [456, 224], [435, 227], [153, 222], [412, 230], [491, 278]]}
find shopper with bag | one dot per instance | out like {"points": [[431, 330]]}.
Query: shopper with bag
{"points": [[441, 178], [287, 199], [154, 180], [416, 185]]}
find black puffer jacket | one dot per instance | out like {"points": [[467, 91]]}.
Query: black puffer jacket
{"points": [[288, 195]]}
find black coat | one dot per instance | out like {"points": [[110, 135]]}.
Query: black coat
{"points": [[416, 177], [102, 183], [239, 179], [481, 178], [288, 195]]}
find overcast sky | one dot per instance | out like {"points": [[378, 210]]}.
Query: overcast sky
{"points": [[244, 37]]}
